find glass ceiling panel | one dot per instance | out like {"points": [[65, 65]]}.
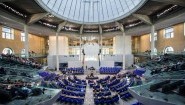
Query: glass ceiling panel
{"points": [[91, 11]]}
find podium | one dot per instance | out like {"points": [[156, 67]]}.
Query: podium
{"points": [[91, 72]]}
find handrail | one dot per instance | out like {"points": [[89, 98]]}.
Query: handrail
{"points": [[159, 53], [31, 55]]}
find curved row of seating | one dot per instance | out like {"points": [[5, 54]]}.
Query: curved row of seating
{"points": [[102, 94], [139, 71], [106, 100], [121, 84], [171, 86], [78, 70], [18, 90], [109, 70], [77, 81], [70, 100], [126, 96], [8, 71], [73, 93], [19, 62], [43, 73], [137, 103], [166, 63], [116, 81], [73, 89]]}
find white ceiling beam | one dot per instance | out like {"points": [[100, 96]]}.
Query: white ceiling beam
{"points": [[36, 17], [61, 25], [175, 2], [120, 26], [81, 29], [143, 18]]}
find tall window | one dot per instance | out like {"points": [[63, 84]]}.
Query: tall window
{"points": [[22, 36], [155, 36], [168, 50], [7, 33], [7, 51], [168, 32], [105, 50], [75, 51]]}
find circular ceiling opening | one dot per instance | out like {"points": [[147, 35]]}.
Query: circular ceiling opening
{"points": [[91, 11]]}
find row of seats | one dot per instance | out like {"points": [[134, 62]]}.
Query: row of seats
{"points": [[121, 84], [70, 100], [12, 60], [15, 72], [126, 96], [116, 81], [74, 84], [166, 63], [73, 89], [107, 100], [137, 103], [139, 71], [109, 70], [115, 84], [77, 81], [182, 90], [18, 92], [102, 93], [74, 71], [73, 93], [171, 86], [158, 85]]}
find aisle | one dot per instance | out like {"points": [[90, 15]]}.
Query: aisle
{"points": [[89, 98]]}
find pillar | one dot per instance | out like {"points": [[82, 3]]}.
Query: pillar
{"points": [[152, 41], [101, 47], [57, 51], [123, 50], [26, 43], [80, 47]]}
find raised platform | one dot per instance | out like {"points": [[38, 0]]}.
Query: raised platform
{"points": [[92, 78]]}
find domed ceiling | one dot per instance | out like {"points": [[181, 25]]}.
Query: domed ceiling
{"points": [[91, 11]]}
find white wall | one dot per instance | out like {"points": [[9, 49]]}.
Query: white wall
{"points": [[94, 64], [107, 64], [118, 45], [51, 60], [74, 64], [63, 45], [62, 59], [118, 50], [128, 45], [116, 58]]}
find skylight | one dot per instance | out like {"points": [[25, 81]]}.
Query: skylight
{"points": [[91, 11]]}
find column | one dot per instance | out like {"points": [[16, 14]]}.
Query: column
{"points": [[57, 51], [26, 43], [80, 47], [152, 41], [123, 49], [101, 47]]}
